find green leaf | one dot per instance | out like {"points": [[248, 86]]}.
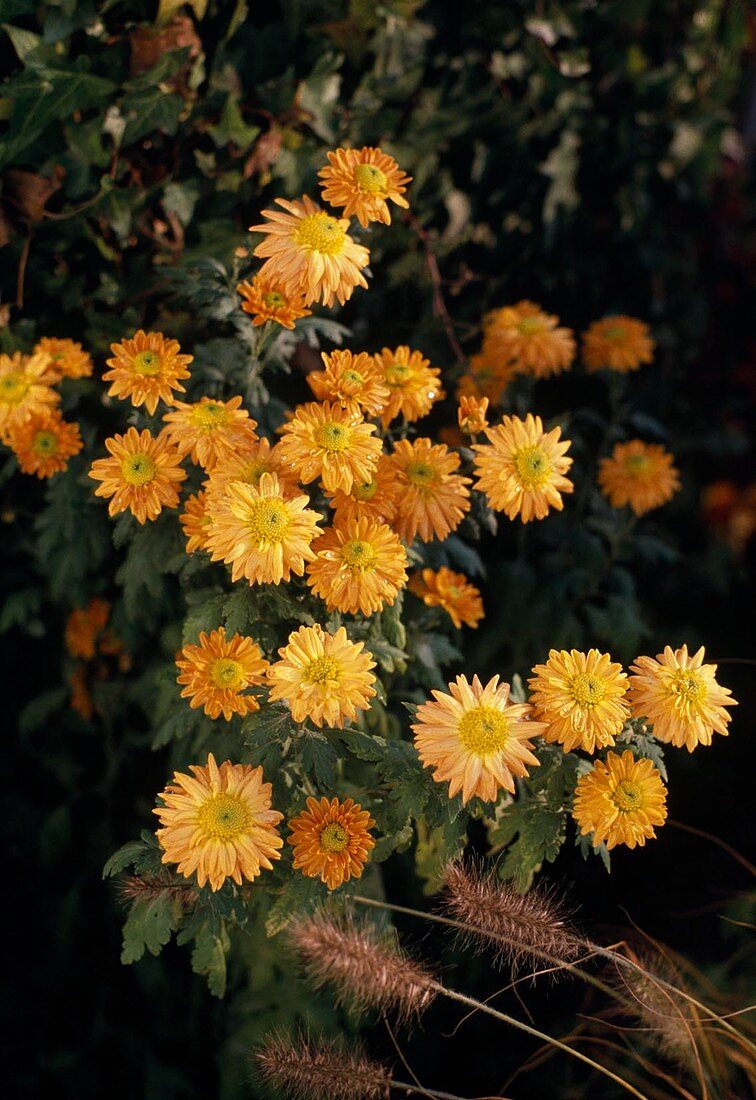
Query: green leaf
{"points": [[318, 758], [539, 831], [209, 954], [41, 708], [299, 895], [126, 856], [149, 925]]}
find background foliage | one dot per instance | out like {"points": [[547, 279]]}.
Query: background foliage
{"points": [[585, 155]]}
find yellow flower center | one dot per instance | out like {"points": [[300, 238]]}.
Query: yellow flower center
{"points": [[252, 471], [333, 837], [614, 332], [533, 467], [358, 555], [322, 670], [138, 469], [320, 233], [398, 374], [147, 363], [333, 438], [274, 300], [227, 674], [421, 474], [365, 491], [268, 520], [529, 326], [637, 464], [687, 686], [223, 817], [587, 691], [483, 730], [452, 592], [45, 443], [353, 378], [370, 180], [208, 416], [627, 796], [14, 387]]}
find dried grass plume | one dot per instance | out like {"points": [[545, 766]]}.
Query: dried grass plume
{"points": [[320, 1070]]}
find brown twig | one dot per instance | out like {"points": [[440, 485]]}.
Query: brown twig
{"points": [[21, 277], [439, 304]]}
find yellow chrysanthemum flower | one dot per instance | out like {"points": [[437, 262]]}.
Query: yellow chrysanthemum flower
{"points": [[147, 369], [331, 443], [209, 430], [141, 476], [620, 801], [67, 358], [195, 523], [84, 628], [218, 823], [619, 343], [331, 840], [374, 499], [580, 697], [361, 181], [475, 738], [528, 340], [353, 381], [25, 390], [262, 531], [217, 672], [266, 300], [471, 414], [360, 566], [323, 677], [432, 498], [414, 385], [451, 591], [640, 475], [309, 252], [44, 443], [522, 468], [680, 696]]}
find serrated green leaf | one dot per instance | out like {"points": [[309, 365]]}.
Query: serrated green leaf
{"points": [[150, 924]]}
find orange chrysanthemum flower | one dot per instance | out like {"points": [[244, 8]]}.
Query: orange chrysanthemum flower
{"points": [[148, 368], [248, 464], [331, 443], [581, 698], [195, 522], [619, 343], [217, 823], [217, 672], [640, 475], [323, 677], [353, 381], [141, 476], [431, 497], [360, 566], [361, 182], [266, 300], [84, 628], [331, 840], [262, 531], [67, 358], [528, 340], [209, 430], [309, 252], [620, 801], [471, 414], [44, 443], [25, 390], [374, 499], [413, 383], [450, 591], [679, 695], [487, 378], [475, 738], [522, 468]]}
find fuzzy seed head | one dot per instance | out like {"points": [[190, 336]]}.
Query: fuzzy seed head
{"points": [[307, 1069]]}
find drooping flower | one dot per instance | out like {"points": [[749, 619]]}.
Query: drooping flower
{"points": [[25, 389], [359, 566], [266, 300], [432, 498], [640, 475], [44, 443], [218, 823], [309, 252], [414, 385], [67, 358], [529, 340], [362, 181], [451, 591], [471, 414], [218, 671], [209, 430], [148, 368], [331, 443], [353, 381], [331, 840], [195, 522], [619, 343], [680, 696], [475, 738], [323, 677], [522, 468], [262, 531], [620, 801], [141, 476], [84, 628], [373, 499], [581, 699]]}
